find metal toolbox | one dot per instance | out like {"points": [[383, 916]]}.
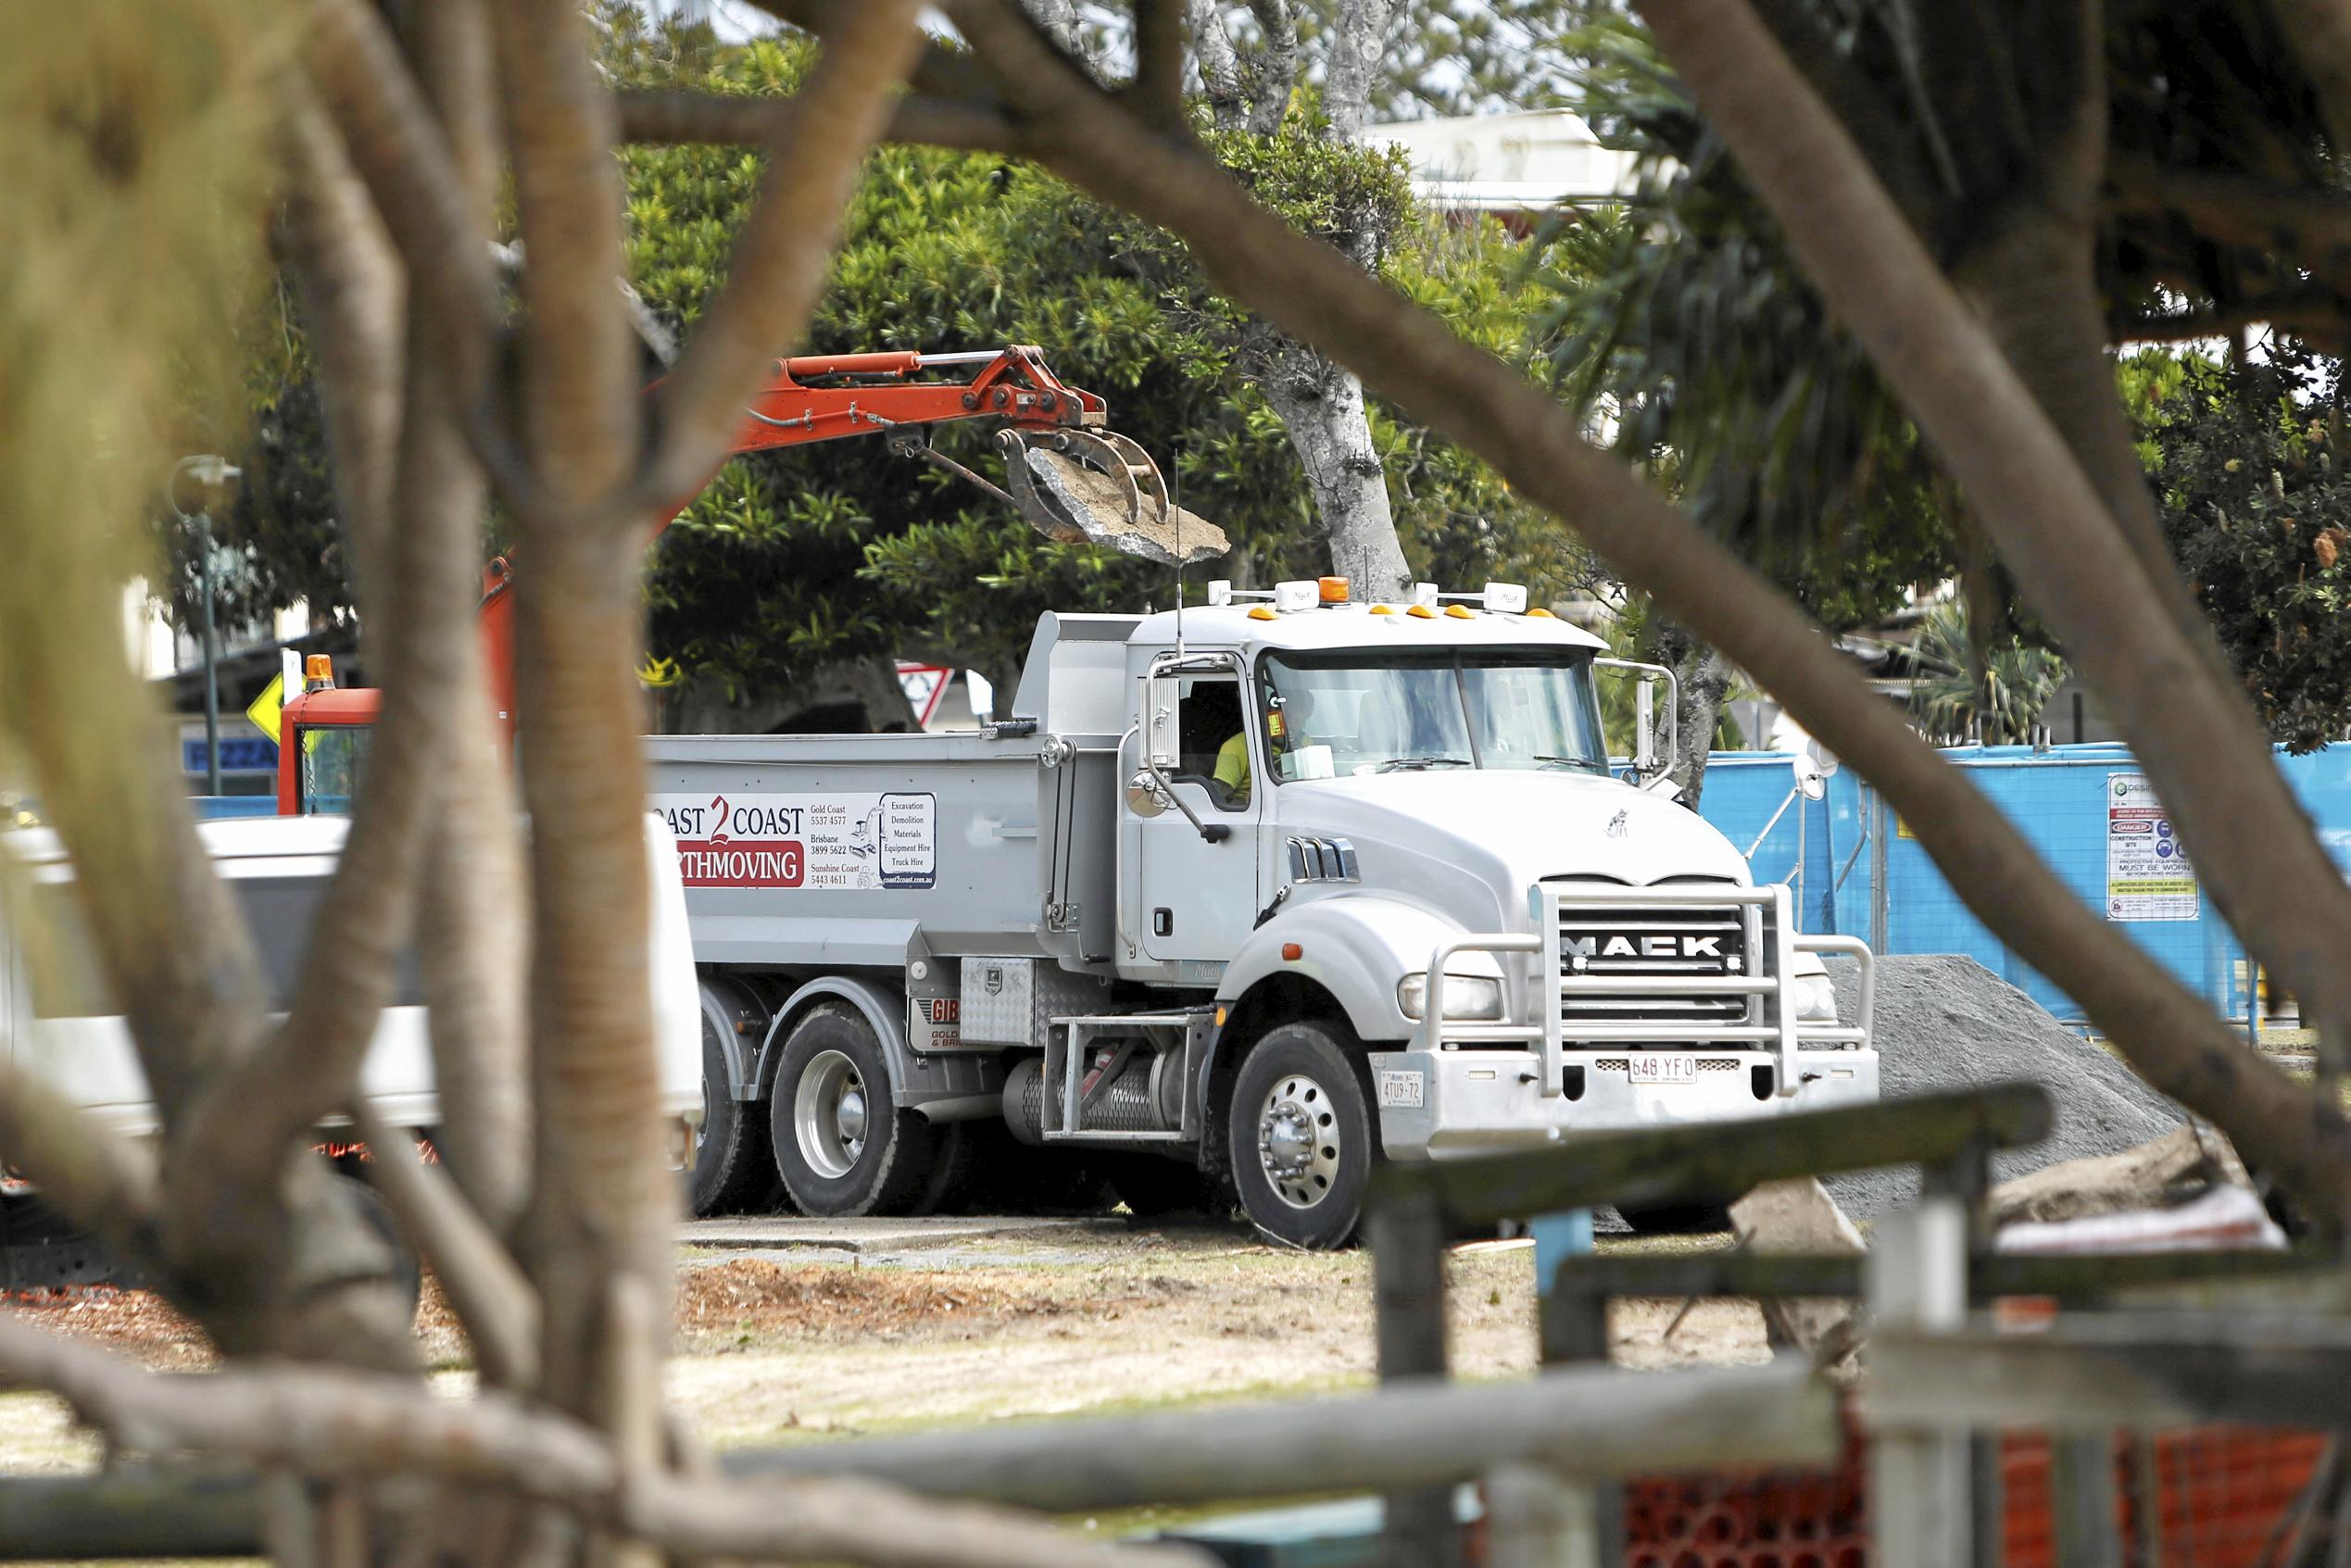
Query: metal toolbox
{"points": [[1012, 1001]]}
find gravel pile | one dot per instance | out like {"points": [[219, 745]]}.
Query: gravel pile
{"points": [[1946, 1022]]}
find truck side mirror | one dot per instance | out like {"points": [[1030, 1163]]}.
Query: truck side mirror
{"points": [[1162, 742], [1656, 741], [1144, 797]]}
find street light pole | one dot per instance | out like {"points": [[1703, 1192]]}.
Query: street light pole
{"points": [[211, 658], [213, 472]]}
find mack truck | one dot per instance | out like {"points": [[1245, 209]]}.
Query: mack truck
{"points": [[1237, 902]]}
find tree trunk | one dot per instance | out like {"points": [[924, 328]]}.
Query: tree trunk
{"points": [[1321, 405], [1703, 677]]}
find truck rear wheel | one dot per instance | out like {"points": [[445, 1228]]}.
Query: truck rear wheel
{"points": [[733, 1166], [1302, 1139], [842, 1148]]}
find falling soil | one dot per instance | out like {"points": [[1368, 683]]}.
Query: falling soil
{"points": [[1073, 493]]}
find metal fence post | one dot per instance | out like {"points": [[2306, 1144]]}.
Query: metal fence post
{"points": [[1919, 1492], [1407, 1234]]}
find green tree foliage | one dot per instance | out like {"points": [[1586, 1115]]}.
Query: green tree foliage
{"points": [[841, 551], [1963, 690], [2255, 507], [1684, 322]]}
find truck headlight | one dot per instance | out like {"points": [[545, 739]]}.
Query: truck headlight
{"points": [[1471, 997], [1816, 998]]}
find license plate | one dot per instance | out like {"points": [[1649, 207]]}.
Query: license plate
{"points": [[1664, 1067]]}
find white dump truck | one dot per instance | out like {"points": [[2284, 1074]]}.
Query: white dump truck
{"points": [[1247, 897], [60, 1022]]}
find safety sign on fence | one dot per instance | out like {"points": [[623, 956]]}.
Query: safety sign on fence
{"points": [[2149, 876]]}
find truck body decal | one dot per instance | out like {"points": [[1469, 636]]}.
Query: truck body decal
{"points": [[846, 842]]}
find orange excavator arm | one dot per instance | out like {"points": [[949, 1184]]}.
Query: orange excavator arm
{"points": [[830, 397], [1073, 479]]}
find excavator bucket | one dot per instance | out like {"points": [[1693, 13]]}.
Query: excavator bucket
{"points": [[1096, 487]]}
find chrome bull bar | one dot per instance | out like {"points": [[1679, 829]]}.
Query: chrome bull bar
{"points": [[1554, 984]]}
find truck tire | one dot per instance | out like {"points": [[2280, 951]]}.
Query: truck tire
{"points": [[1301, 1137], [733, 1168], [842, 1148]]}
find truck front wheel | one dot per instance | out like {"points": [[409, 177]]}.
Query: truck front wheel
{"points": [[842, 1148], [1301, 1137]]}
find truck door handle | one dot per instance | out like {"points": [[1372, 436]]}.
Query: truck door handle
{"points": [[1163, 922]]}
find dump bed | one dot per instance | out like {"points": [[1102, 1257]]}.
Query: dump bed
{"points": [[835, 852]]}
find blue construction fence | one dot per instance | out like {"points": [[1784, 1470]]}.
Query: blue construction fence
{"points": [[1857, 870]]}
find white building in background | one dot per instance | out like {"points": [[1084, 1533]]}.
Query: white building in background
{"points": [[1510, 165]]}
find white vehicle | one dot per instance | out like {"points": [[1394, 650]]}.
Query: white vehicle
{"points": [[61, 1025], [1255, 894]]}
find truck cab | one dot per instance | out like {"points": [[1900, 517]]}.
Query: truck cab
{"points": [[1245, 896]]}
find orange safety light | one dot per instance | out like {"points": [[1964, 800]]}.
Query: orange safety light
{"points": [[1292, 952], [1262, 613], [1420, 612], [1383, 609], [1333, 589], [1539, 612], [1460, 612], [318, 673]]}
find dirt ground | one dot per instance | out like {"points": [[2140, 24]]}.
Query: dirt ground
{"points": [[786, 1343]]}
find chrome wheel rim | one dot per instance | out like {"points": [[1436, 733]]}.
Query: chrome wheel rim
{"points": [[1298, 1141], [829, 1114]]}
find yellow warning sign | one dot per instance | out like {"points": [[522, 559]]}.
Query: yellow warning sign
{"points": [[265, 710]]}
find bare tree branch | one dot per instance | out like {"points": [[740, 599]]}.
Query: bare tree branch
{"points": [[323, 1422], [1417, 362], [394, 140], [2193, 730], [1273, 74], [1158, 88], [814, 156], [2311, 226], [1220, 73], [1358, 40], [2319, 33], [103, 1180], [485, 1287], [677, 117], [581, 407], [354, 298], [471, 928]]}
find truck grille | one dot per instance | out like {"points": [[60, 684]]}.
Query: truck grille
{"points": [[1669, 943]]}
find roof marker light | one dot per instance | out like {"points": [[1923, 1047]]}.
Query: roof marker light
{"points": [[1383, 609], [1420, 612], [1301, 594], [1259, 613], [1460, 612], [1506, 598], [1539, 612]]}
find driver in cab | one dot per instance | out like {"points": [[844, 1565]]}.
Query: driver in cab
{"points": [[1285, 724]]}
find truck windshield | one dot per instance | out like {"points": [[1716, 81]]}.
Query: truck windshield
{"points": [[332, 758], [1337, 714]]}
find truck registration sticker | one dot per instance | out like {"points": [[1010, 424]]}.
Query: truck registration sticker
{"points": [[1664, 1067], [844, 842], [1402, 1088]]}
